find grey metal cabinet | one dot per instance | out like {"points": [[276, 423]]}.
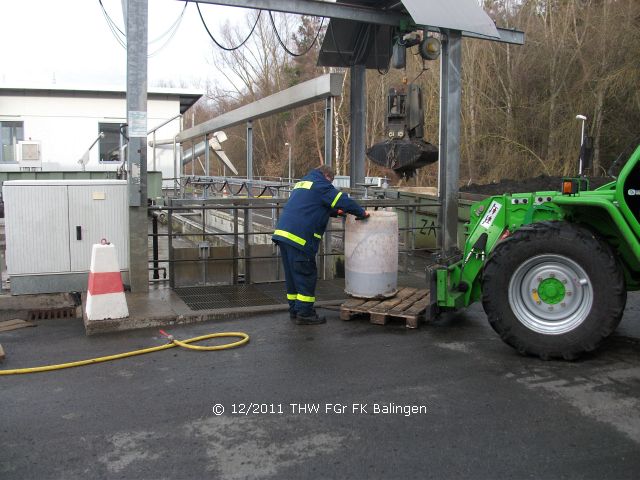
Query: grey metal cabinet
{"points": [[51, 226]]}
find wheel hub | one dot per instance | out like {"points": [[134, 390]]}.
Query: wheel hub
{"points": [[550, 294], [551, 290]]}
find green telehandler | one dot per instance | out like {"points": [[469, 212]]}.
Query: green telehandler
{"points": [[553, 268]]}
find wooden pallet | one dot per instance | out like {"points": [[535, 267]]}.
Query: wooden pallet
{"points": [[409, 304], [7, 325]]}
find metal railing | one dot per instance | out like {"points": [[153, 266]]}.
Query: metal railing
{"points": [[246, 220]]}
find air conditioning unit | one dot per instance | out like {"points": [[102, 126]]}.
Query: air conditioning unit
{"points": [[374, 181], [28, 154]]}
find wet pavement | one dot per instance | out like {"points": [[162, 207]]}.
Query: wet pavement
{"points": [[448, 400]]}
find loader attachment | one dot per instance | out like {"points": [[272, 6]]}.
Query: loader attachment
{"points": [[404, 150], [403, 156]]}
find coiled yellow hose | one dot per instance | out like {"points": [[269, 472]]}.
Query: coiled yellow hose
{"points": [[244, 338]]}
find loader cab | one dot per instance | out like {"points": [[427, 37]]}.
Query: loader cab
{"points": [[628, 190]]}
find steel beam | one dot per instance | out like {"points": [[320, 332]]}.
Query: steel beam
{"points": [[449, 164], [507, 35], [319, 9], [137, 22], [355, 13], [329, 85]]}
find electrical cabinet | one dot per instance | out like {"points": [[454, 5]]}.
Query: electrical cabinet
{"points": [[51, 226]]}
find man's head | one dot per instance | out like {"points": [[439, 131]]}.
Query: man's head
{"points": [[327, 171]]}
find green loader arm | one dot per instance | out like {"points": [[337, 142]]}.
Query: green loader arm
{"points": [[458, 285]]}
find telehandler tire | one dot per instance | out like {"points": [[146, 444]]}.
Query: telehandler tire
{"points": [[554, 290]]}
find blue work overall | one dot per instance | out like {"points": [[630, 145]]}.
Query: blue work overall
{"points": [[299, 233]]}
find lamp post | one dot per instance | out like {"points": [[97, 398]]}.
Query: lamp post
{"points": [[582, 118], [287, 144]]}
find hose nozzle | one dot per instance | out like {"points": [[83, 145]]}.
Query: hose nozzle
{"points": [[165, 334]]}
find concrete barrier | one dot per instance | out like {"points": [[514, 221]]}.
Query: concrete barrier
{"points": [[105, 293]]}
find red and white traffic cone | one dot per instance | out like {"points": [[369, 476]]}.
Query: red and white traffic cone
{"points": [[105, 295]]}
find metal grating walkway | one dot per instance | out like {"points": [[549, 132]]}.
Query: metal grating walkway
{"points": [[259, 294]]}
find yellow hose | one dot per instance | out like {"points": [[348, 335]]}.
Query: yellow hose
{"points": [[244, 338]]}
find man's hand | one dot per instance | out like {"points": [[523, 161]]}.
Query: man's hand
{"points": [[363, 217]]}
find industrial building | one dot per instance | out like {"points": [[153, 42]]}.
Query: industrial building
{"points": [[60, 123]]}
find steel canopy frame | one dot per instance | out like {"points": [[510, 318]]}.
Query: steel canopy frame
{"points": [[311, 91], [450, 85], [319, 8], [325, 87], [450, 81]]}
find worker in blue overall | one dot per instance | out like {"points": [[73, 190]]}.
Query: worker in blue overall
{"points": [[299, 232]]}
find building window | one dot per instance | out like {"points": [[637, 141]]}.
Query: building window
{"points": [[10, 134], [111, 143]]}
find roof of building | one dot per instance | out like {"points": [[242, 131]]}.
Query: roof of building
{"points": [[186, 96]]}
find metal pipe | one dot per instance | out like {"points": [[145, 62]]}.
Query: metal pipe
{"points": [[287, 144], [175, 168], [265, 257], [235, 245], [405, 262], [154, 150], [247, 248], [170, 243], [154, 243], [158, 127], [206, 161], [193, 156]]}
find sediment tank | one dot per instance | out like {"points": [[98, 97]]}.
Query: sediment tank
{"points": [[371, 255]]}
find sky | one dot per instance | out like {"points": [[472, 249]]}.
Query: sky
{"points": [[68, 42]]}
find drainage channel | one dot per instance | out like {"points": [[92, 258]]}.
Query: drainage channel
{"points": [[256, 294]]}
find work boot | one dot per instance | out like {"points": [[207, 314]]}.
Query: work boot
{"points": [[313, 319], [293, 315]]}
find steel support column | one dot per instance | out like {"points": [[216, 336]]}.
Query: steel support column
{"points": [[248, 213], [327, 262], [206, 161], [249, 156], [358, 109], [328, 131], [137, 21], [449, 164]]}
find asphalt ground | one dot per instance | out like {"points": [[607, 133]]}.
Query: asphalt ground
{"points": [[486, 412]]}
